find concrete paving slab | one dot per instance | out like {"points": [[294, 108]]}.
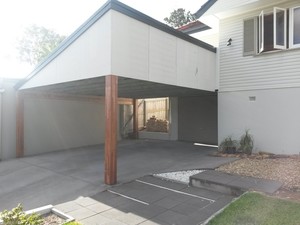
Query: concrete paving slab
{"points": [[11, 166], [98, 207], [82, 213], [99, 220], [232, 183], [85, 201], [68, 206]]}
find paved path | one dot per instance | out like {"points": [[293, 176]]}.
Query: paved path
{"points": [[59, 177], [147, 200]]}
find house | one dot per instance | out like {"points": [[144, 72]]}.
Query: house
{"points": [[258, 73], [74, 98], [242, 73]]}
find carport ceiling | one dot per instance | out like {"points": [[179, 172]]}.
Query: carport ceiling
{"points": [[128, 88]]}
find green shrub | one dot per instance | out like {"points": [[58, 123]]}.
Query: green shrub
{"points": [[18, 217], [228, 145], [246, 143], [72, 223]]}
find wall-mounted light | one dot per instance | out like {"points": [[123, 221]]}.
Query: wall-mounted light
{"points": [[229, 42]]}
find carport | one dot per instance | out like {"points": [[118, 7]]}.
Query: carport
{"points": [[117, 56]]}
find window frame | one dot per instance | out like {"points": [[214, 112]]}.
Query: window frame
{"points": [[291, 28], [261, 40], [275, 11]]}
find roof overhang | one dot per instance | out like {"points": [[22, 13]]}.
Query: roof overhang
{"points": [[124, 9], [127, 88], [222, 9]]}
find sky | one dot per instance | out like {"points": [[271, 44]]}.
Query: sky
{"points": [[64, 17]]}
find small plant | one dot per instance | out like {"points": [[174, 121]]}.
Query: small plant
{"points": [[72, 223], [246, 143], [228, 145], [18, 217]]}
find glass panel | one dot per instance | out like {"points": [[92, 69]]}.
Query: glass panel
{"points": [[249, 36], [296, 26], [261, 32], [280, 25], [268, 33]]}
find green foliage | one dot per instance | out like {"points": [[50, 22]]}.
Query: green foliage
{"points": [[36, 43], [179, 17], [258, 209], [228, 145], [73, 223], [18, 217], [246, 143]]}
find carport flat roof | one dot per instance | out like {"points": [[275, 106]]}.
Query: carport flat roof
{"points": [[127, 88], [124, 9]]}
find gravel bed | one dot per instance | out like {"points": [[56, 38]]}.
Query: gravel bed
{"points": [[285, 170], [52, 219], [179, 176]]}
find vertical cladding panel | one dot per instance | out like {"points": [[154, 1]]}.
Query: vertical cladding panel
{"points": [[162, 57], [88, 56], [197, 119], [269, 70], [188, 69], [195, 66], [130, 47], [272, 119]]}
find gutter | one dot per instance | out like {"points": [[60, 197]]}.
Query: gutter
{"points": [[204, 8]]}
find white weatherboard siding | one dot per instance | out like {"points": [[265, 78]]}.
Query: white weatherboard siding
{"points": [[273, 119], [268, 70], [89, 56], [142, 52]]}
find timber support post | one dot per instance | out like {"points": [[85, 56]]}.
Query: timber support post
{"points": [[111, 109], [20, 125]]}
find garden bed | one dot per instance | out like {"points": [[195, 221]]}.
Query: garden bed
{"points": [[284, 169]]}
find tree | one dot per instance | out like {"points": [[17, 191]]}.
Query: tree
{"points": [[179, 17], [36, 43]]}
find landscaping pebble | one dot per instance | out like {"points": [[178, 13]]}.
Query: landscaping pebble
{"points": [[285, 170], [180, 176]]}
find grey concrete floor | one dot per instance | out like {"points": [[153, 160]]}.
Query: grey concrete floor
{"points": [[62, 176]]}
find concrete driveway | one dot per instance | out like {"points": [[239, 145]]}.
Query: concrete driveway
{"points": [[58, 177]]}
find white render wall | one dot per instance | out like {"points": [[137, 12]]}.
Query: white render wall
{"points": [[273, 119], [142, 52], [8, 119], [268, 70], [51, 124]]}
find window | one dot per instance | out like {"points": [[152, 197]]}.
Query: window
{"points": [[269, 32], [272, 30], [294, 41], [279, 25], [250, 36]]}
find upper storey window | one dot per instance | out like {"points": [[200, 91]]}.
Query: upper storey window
{"points": [[273, 31]]}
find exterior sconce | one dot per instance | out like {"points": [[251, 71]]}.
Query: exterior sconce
{"points": [[229, 42]]}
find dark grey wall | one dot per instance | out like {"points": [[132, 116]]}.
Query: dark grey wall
{"points": [[198, 119]]}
